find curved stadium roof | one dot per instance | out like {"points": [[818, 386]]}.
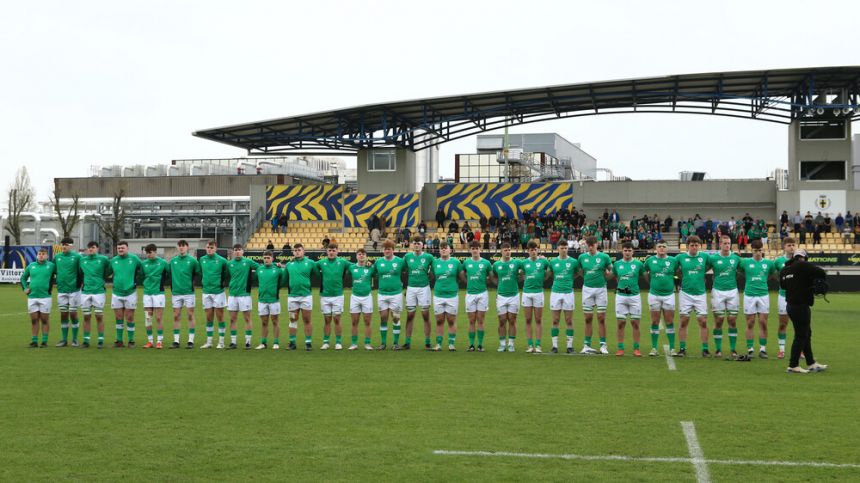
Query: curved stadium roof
{"points": [[768, 95]]}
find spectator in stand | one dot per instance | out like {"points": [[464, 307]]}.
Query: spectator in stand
{"points": [[375, 237], [743, 239], [828, 224], [486, 241], [614, 217], [464, 237], [856, 233], [492, 222], [667, 224], [287, 249], [849, 220], [748, 221], [270, 245], [275, 224], [407, 234], [796, 221], [708, 239], [325, 242], [453, 227], [524, 240], [422, 229], [553, 238], [816, 235], [783, 218], [440, 218], [476, 235], [283, 221]]}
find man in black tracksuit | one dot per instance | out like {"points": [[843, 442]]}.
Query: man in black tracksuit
{"points": [[797, 279]]}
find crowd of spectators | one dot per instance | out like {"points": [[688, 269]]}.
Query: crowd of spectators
{"points": [[809, 229]]}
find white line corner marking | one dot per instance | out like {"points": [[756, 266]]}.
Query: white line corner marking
{"points": [[669, 360], [697, 457]]}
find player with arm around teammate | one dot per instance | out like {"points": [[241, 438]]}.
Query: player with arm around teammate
{"points": [[389, 296], [270, 279], [692, 266], [506, 272], [36, 282], [628, 301], [69, 281], [300, 302], [724, 295], [660, 273], [561, 297], [361, 298], [183, 269], [594, 265], [215, 277], [446, 300], [418, 265], [535, 272], [240, 268], [332, 270], [127, 274], [96, 269], [156, 272], [757, 270], [476, 270]]}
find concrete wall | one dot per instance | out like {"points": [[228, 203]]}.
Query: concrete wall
{"points": [[382, 182], [190, 186], [718, 199]]}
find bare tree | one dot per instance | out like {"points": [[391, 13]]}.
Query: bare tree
{"points": [[68, 218], [113, 224], [21, 197]]}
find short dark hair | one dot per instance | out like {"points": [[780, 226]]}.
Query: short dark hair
{"points": [[443, 245], [211, 243], [182, 243], [627, 245], [475, 244], [150, 248], [298, 245], [562, 241], [268, 253], [122, 242], [361, 250], [756, 244], [694, 239], [67, 241], [417, 239], [43, 250], [388, 244], [93, 244], [505, 245], [238, 246], [789, 239], [531, 244], [592, 240], [331, 245]]}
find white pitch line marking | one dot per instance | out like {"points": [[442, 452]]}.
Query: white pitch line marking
{"points": [[697, 457], [670, 361], [647, 459]]}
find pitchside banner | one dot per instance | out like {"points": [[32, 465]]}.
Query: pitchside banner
{"points": [[826, 259]]}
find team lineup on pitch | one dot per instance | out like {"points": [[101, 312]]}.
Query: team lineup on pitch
{"points": [[81, 282]]}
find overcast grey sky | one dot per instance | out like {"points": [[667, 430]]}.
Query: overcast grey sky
{"points": [[106, 82]]}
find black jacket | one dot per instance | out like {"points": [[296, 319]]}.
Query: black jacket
{"points": [[796, 279]]}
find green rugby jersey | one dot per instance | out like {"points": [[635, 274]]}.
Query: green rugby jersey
{"points": [[270, 279], [693, 270], [445, 272], [127, 273], [508, 274], [240, 276], [778, 265], [39, 278], [535, 271], [69, 275], [725, 270], [299, 272], [476, 274], [155, 274], [331, 273], [756, 274], [215, 273], [183, 269], [96, 269], [628, 274], [563, 272], [593, 268], [418, 266], [662, 272], [388, 273], [362, 278]]}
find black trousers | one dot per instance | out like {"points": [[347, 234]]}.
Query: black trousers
{"points": [[801, 319]]}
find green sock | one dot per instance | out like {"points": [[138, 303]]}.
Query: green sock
{"points": [[409, 341], [530, 342], [621, 346], [75, 327], [635, 345], [233, 333], [480, 338], [683, 345], [131, 331], [426, 341], [354, 339], [750, 344], [395, 329], [35, 339], [383, 332], [452, 338], [670, 334], [337, 339], [192, 330], [222, 329], [537, 342], [439, 339], [101, 336], [569, 334], [366, 340], [86, 336], [733, 339], [44, 338], [326, 338], [148, 331], [276, 341], [210, 328], [292, 339], [588, 341], [704, 346], [64, 328], [308, 340], [718, 340], [762, 344], [553, 332], [655, 335], [248, 335], [264, 340], [471, 338], [119, 327], [603, 341], [159, 333]]}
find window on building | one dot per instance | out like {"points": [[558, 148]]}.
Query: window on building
{"points": [[382, 161], [822, 170], [820, 129]]}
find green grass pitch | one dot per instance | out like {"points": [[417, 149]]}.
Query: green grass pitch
{"points": [[120, 414]]}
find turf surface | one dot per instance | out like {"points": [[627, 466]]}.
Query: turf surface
{"points": [[120, 414]]}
